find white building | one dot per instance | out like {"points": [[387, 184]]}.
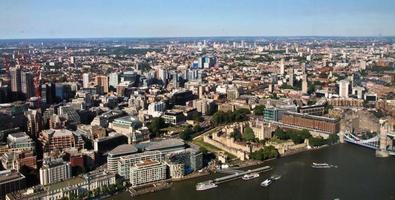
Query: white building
{"points": [[156, 107], [343, 88], [282, 67], [54, 171], [147, 171], [114, 79], [85, 80]]}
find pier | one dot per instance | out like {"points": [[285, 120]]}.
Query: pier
{"points": [[239, 174]]}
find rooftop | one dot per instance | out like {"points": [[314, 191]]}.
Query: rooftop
{"points": [[164, 144], [10, 176], [123, 150]]}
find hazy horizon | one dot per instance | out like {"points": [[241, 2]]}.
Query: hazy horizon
{"points": [[24, 19]]}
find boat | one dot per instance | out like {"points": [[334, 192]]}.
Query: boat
{"points": [[205, 185], [322, 165], [266, 182], [250, 176], [275, 177]]}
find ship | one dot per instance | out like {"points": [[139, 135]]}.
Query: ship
{"points": [[250, 176], [266, 182], [205, 185]]}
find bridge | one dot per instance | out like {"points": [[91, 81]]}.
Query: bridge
{"points": [[372, 143]]}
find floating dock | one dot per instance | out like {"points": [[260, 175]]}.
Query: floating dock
{"points": [[238, 175]]}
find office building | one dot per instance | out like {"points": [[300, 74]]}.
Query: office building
{"points": [[115, 154], [147, 171], [89, 182], [11, 181], [27, 84], [59, 139], [34, 122], [125, 162], [102, 81], [343, 88], [317, 123], [15, 74], [54, 171], [85, 80]]}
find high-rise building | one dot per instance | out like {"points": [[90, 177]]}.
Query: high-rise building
{"points": [[103, 82], [344, 88], [114, 79], [48, 93], [54, 171], [27, 85], [362, 65], [15, 74], [85, 80], [34, 122], [291, 77], [304, 83], [282, 67]]}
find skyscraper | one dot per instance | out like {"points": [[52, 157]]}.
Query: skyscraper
{"points": [[27, 84], [114, 79], [15, 74], [304, 83], [291, 77], [34, 122], [85, 80], [282, 67]]}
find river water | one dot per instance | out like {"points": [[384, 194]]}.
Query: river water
{"points": [[360, 175]]}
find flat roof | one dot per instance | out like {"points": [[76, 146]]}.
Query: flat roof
{"points": [[164, 144], [10, 176], [123, 149]]}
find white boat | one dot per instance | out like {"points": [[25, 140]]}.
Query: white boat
{"points": [[322, 165], [275, 177], [266, 182], [205, 185], [250, 176]]}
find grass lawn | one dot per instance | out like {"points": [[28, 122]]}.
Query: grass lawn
{"points": [[210, 148]]}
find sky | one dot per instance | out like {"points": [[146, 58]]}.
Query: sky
{"points": [[192, 18]]}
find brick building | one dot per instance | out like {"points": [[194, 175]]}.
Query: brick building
{"points": [[323, 124]]}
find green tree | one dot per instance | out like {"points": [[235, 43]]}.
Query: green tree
{"points": [[317, 141], [236, 135], [265, 153], [248, 134], [258, 110], [332, 139], [187, 134], [281, 134], [156, 125]]}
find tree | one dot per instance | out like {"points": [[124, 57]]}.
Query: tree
{"points": [[248, 134], [311, 89], [156, 125], [265, 153], [317, 141], [197, 117], [332, 139], [186, 134], [236, 135], [258, 110], [281, 134]]}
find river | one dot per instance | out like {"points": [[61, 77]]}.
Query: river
{"points": [[360, 175]]}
